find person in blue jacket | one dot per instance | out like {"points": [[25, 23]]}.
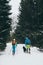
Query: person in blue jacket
{"points": [[27, 43]]}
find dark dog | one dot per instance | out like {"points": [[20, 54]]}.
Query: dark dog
{"points": [[24, 49]]}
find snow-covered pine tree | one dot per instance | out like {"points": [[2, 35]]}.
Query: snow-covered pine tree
{"points": [[5, 21], [30, 21]]}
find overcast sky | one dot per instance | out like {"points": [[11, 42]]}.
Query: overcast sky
{"points": [[15, 10], [15, 5]]}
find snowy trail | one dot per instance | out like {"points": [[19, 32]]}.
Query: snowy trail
{"points": [[21, 58]]}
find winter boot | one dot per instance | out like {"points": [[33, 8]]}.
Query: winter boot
{"points": [[29, 50]]}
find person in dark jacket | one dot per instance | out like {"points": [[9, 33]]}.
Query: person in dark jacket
{"points": [[27, 43]]}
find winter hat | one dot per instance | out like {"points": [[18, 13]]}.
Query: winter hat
{"points": [[13, 39]]}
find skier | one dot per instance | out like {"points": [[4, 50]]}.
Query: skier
{"points": [[13, 46], [27, 44]]}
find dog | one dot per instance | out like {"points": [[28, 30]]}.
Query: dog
{"points": [[24, 49]]}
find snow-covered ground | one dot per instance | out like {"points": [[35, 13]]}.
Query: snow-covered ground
{"points": [[21, 58]]}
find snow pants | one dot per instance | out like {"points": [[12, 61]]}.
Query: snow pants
{"points": [[13, 48], [28, 48]]}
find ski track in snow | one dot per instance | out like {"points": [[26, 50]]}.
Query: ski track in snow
{"points": [[21, 58]]}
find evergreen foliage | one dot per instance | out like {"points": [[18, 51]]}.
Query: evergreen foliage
{"points": [[5, 20], [30, 22]]}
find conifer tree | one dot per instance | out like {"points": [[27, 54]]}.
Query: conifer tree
{"points": [[30, 21], [5, 21]]}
